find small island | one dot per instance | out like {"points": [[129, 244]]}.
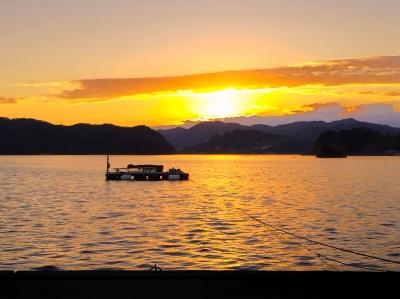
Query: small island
{"points": [[356, 142]]}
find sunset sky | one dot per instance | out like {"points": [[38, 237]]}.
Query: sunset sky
{"points": [[177, 62]]}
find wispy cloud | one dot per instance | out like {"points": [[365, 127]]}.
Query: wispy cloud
{"points": [[366, 88], [390, 93], [4, 100], [369, 70]]}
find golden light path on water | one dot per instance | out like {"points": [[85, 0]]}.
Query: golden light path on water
{"points": [[59, 211]]}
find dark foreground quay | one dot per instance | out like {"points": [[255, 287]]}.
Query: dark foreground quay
{"points": [[197, 284]]}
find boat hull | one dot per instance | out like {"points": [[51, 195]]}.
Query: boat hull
{"points": [[156, 176]]}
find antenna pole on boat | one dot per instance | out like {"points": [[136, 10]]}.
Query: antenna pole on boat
{"points": [[108, 163]]}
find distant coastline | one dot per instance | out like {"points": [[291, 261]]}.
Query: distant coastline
{"points": [[349, 137]]}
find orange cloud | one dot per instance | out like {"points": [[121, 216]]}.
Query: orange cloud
{"points": [[351, 109], [316, 106], [4, 100], [390, 93], [320, 90], [370, 70]]}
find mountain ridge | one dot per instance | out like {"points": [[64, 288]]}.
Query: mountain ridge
{"points": [[249, 141], [200, 133], [30, 136]]}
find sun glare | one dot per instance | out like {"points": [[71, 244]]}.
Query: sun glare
{"points": [[219, 104]]}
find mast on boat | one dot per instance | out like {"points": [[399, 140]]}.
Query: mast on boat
{"points": [[108, 163]]}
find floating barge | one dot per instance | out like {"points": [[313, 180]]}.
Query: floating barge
{"points": [[147, 172]]}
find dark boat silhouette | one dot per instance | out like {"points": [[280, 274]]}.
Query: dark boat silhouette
{"points": [[144, 172]]}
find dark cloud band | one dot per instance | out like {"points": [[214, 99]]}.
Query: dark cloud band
{"points": [[370, 70], [4, 100]]}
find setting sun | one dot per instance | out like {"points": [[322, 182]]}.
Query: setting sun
{"points": [[218, 104]]}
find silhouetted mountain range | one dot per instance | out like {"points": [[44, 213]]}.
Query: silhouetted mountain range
{"points": [[358, 141], [297, 137], [185, 138], [310, 130], [251, 142], [29, 136]]}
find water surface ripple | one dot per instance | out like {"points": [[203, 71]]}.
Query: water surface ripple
{"points": [[58, 211]]}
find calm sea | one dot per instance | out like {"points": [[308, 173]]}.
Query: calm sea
{"points": [[59, 211]]}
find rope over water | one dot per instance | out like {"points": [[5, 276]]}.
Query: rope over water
{"points": [[319, 255], [323, 244], [323, 258]]}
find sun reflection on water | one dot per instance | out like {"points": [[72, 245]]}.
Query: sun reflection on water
{"points": [[58, 210]]}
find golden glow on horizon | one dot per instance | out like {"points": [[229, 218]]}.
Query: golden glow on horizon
{"points": [[327, 90], [218, 59], [175, 107], [219, 104]]}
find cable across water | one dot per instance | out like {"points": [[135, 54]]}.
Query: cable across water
{"points": [[323, 257], [319, 242], [325, 245]]}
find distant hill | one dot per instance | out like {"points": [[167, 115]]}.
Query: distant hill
{"points": [[303, 132], [29, 136], [358, 141], [250, 142], [185, 138], [312, 129]]}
